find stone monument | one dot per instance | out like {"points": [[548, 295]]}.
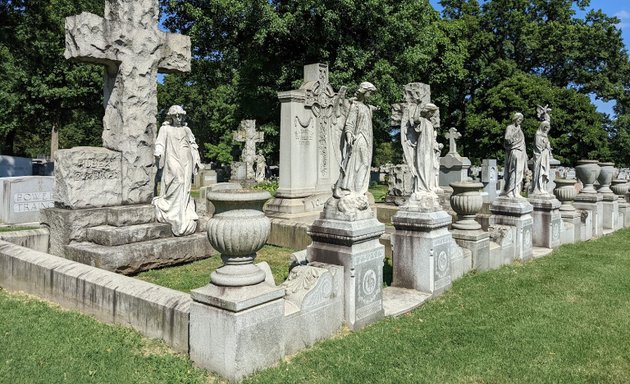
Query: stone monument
{"points": [[244, 171], [546, 216], [311, 121], [423, 246], [588, 199], [347, 232], [101, 215], [510, 208], [261, 167], [177, 155], [453, 166]]}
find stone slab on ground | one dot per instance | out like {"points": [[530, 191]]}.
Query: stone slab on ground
{"points": [[154, 311], [398, 301], [111, 236], [538, 252], [137, 257]]}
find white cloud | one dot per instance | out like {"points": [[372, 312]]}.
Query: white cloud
{"points": [[623, 15]]}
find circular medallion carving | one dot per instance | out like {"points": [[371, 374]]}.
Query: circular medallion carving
{"points": [[369, 282], [442, 261], [556, 232], [527, 241]]}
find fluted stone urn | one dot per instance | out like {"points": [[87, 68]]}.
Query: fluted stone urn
{"points": [[605, 177], [466, 201], [620, 188], [565, 192], [238, 229], [587, 172]]}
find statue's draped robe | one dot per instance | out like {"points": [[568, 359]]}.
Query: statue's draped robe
{"points": [[515, 161], [178, 154], [417, 136], [542, 156], [355, 172]]}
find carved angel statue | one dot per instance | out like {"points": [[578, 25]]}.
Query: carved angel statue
{"points": [[417, 118], [542, 153], [178, 154]]}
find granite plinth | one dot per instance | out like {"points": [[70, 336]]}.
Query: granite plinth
{"points": [[237, 299], [422, 250], [546, 221], [593, 203], [515, 212], [111, 236], [624, 214], [478, 243], [571, 222], [610, 212], [354, 245], [142, 256]]}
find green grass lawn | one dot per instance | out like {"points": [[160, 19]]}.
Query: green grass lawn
{"points": [[379, 191], [561, 319], [197, 274], [13, 228]]}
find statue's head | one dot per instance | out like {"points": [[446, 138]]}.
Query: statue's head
{"points": [[545, 126], [365, 89], [517, 118], [176, 115]]}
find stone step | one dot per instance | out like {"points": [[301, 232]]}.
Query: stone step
{"points": [[110, 235], [398, 301], [123, 215], [137, 257]]}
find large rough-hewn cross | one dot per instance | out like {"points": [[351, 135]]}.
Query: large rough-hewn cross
{"points": [[453, 135], [129, 44], [247, 134]]}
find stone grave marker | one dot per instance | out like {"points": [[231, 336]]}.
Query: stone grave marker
{"points": [[247, 134], [21, 198]]}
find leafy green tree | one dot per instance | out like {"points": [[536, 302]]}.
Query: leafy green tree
{"points": [[39, 89]]}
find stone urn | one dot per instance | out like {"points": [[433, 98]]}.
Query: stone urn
{"points": [[466, 201], [587, 172], [565, 192], [620, 188], [605, 177], [238, 229]]}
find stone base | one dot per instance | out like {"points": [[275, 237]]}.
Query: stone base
{"points": [[478, 243], [624, 214], [235, 343], [123, 239], [305, 208], [517, 213], [355, 246], [502, 245], [571, 227], [610, 212], [592, 202], [546, 221], [422, 248]]}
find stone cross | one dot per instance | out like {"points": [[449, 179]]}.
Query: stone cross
{"points": [[247, 134], [129, 44], [453, 135]]}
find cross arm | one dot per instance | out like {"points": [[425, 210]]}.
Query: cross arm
{"points": [[86, 40], [175, 53]]}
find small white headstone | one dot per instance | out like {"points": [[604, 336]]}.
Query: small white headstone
{"points": [[21, 198]]}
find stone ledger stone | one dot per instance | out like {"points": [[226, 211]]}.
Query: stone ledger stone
{"points": [[88, 177], [422, 249], [355, 246], [22, 198]]}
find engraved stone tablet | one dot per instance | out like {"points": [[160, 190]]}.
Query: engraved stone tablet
{"points": [[88, 177]]}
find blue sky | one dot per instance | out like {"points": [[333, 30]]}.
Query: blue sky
{"points": [[619, 8]]}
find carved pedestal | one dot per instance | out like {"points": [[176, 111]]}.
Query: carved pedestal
{"points": [[516, 212], [478, 242], [422, 248], [610, 210], [355, 246], [547, 221], [592, 202]]}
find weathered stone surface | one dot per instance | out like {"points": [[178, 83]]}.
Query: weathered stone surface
{"points": [[237, 299], [35, 239], [127, 41], [111, 236], [356, 247], [547, 222], [130, 214], [137, 257], [68, 225], [22, 198], [398, 301], [515, 212], [154, 311], [478, 243], [88, 177]]}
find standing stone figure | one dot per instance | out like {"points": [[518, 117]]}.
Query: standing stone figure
{"points": [[356, 145], [178, 154], [542, 154], [261, 167], [418, 118], [515, 158]]}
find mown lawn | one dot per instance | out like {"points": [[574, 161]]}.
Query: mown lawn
{"points": [[561, 319]]}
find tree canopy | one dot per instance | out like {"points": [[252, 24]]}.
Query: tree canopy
{"points": [[484, 61]]}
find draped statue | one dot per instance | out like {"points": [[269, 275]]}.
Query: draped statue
{"points": [[515, 158], [542, 153]]}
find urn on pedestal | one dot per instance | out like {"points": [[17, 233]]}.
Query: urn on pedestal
{"points": [[620, 188], [605, 177], [565, 192], [587, 172], [238, 229], [466, 201]]}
